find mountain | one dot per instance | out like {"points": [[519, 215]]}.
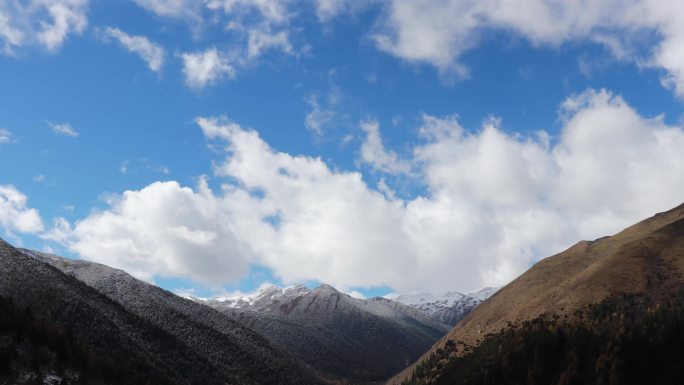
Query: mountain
{"points": [[77, 322], [447, 308], [608, 311], [346, 339]]}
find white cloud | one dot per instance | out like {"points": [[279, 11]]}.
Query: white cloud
{"points": [[438, 32], [374, 153], [263, 39], [326, 9], [151, 53], [256, 26], [162, 230], [524, 198], [5, 136], [15, 215], [189, 10], [10, 35], [67, 16], [318, 116], [264, 24], [63, 129], [269, 11], [205, 68], [317, 210], [495, 202], [45, 22]]}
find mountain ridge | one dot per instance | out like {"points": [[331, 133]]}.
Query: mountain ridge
{"points": [[446, 308], [150, 339], [647, 257], [348, 339]]}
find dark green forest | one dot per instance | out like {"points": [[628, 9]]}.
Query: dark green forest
{"points": [[53, 326], [626, 339], [31, 348]]}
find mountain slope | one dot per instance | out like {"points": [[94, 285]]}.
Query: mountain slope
{"points": [[147, 334], [646, 259], [346, 339]]}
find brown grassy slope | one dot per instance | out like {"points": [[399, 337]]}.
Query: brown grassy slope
{"points": [[646, 257]]}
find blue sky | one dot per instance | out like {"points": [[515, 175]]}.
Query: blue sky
{"points": [[398, 148]]}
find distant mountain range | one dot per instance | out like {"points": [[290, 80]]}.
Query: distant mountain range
{"points": [[76, 322], [345, 338], [447, 308], [609, 311], [91, 323]]}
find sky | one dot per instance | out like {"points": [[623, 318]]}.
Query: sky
{"points": [[385, 146]]}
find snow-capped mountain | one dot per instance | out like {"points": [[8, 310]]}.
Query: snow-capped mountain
{"points": [[298, 300], [90, 323], [333, 331], [447, 308], [261, 299]]}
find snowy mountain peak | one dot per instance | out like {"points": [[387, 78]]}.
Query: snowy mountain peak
{"points": [[267, 295], [445, 299], [447, 308]]}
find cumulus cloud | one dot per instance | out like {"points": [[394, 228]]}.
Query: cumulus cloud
{"points": [[43, 22], [205, 68], [151, 53], [374, 153], [526, 198], [494, 203], [15, 215], [63, 129], [308, 213], [162, 230], [438, 32]]}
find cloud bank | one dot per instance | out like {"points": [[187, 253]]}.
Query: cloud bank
{"points": [[162, 230], [438, 32], [648, 33], [494, 203]]}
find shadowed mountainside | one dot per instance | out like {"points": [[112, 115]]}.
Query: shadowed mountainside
{"points": [[134, 334], [348, 340]]}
